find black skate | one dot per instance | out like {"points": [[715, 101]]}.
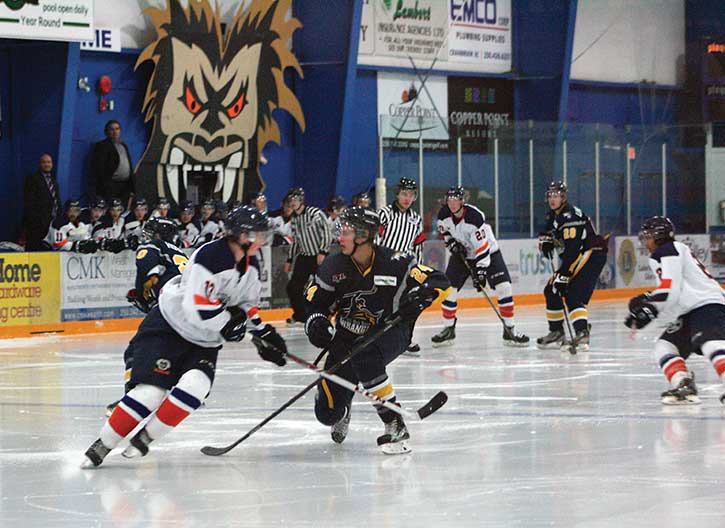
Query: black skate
{"points": [[339, 429], [551, 340], [139, 445], [722, 399], [413, 350], [111, 406], [445, 337], [513, 339], [95, 455], [580, 342], [394, 441], [684, 394]]}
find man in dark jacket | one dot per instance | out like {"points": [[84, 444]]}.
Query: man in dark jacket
{"points": [[111, 167], [41, 204]]}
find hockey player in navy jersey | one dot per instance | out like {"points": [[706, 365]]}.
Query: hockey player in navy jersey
{"points": [[689, 299], [363, 285], [582, 255], [468, 237], [175, 349]]}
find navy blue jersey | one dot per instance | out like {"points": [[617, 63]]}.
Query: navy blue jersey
{"points": [[157, 262], [363, 298], [574, 232]]}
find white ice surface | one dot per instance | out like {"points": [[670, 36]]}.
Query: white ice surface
{"points": [[528, 438]]}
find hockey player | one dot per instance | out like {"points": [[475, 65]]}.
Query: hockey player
{"points": [[335, 206], [582, 255], [189, 227], [280, 220], [175, 349], [68, 233], [475, 254], [364, 284], [133, 228], [162, 209], [93, 217], [361, 199], [208, 228], [688, 296], [114, 221], [401, 228]]}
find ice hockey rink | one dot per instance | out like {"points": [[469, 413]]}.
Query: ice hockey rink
{"points": [[527, 438]]}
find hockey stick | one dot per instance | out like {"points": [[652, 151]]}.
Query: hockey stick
{"points": [[435, 403], [356, 349], [572, 345]]}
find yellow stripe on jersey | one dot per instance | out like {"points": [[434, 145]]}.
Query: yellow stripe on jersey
{"points": [[579, 313], [328, 394], [555, 315], [579, 263]]}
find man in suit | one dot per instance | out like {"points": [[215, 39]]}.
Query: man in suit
{"points": [[41, 204], [111, 167]]}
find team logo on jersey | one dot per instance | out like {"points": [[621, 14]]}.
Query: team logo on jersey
{"points": [[674, 326], [211, 96], [357, 318], [385, 280], [338, 277], [163, 366]]}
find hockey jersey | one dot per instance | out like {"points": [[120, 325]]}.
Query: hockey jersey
{"points": [[63, 233], [194, 303], [574, 236], [133, 227], [363, 298], [157, 262], [470, 230], [684, 282], [112, 229], [188, 233], [281, 228], [208, 231]]}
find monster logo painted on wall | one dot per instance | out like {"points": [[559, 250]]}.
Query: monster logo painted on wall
{"points": [[211, 97]]}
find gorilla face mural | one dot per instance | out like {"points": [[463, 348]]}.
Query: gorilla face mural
{"points": [[211, 98]]}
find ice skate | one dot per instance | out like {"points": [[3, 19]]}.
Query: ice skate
{"points": [[394, 441], [110, 407], [413, 350], [684, 394], [292, 322], [139, 445], [580, 342], [512, 338], [95, 455], [553, 339], [446, 336], [339, 429]]}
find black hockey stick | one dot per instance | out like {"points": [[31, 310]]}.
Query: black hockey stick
{"points": [[356, 349], [572, 344], [435, 403]]}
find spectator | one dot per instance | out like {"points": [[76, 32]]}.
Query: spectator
{"points": [[111, 168], [41, 204]]}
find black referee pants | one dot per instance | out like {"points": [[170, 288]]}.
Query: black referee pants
{"points": [[303, 267]]}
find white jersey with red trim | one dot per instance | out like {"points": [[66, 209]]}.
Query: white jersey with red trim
{"points": [[194, 303], [685, 284], [62, 233], [470, 230]]}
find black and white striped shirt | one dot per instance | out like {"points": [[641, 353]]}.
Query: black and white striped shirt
{"points": [[310, 232], [401, 230]]}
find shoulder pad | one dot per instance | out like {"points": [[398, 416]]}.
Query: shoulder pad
{"points": [[474, 216], [215, 256], [59, 222], [444, 213], [667, 249]]}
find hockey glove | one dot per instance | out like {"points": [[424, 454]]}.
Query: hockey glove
{"points": [[641, 312], [319, 330], [456, 248], [560, 286], [546, 245], [139, 302], [236, 327], [478, 276], [114, 245], [85, 246], [270, 345], [415, 300], [132, 243]]}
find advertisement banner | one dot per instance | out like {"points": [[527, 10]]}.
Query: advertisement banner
{"points": [[70, 20], [29, 291], [408, 112], [477, 107], [528, 268], [459, 35], [95, 286]]}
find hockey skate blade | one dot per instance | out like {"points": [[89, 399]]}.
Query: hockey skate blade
{"points": [[513, 344], [396, 448], [443, 344], [88, 464], [551, 346], [131, 452], [435, 403], [689, 400]]}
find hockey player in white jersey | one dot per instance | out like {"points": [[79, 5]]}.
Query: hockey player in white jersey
{"points": [[470, 240], [690, 299], [175, 349], [68, 233]]}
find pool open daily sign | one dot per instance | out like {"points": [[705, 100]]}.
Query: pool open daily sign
{"points": [[70, 20]]}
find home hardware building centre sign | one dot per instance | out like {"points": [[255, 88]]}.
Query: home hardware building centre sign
{"points": [[69, 20]]}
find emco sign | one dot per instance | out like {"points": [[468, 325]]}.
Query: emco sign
{"points": [[473, 11], [85, 268]]}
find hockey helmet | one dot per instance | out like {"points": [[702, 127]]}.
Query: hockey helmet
{"points": [[456, 192], [658, 228], [406, 184], [187, 206], [246, 219], [336, 203], [163, 227], [557, 187], [98, 203], [359, 198], [365, 221]]}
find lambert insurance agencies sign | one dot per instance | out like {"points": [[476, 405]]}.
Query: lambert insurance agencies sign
{"points": [[70, 20]]}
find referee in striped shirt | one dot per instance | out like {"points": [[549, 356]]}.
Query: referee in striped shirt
{"points": [[401, 228], [310, 246]]}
